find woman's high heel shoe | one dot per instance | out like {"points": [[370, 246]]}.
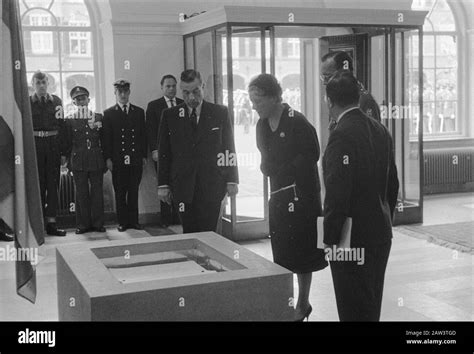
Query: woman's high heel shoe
{"points": [[305, 315]]}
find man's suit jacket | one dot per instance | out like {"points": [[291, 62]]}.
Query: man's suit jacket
{"points": [[124, 135], [189, 160], [153, 118], [355, 164]]}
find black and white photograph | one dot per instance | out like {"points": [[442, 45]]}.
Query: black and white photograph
{"points": [[201, 163]]}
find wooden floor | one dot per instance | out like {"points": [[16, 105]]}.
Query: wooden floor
{"points": [[424, 282]]}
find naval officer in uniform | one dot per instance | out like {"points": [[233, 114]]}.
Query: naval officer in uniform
{"points": [[48, 125], [83, 147], [125, 151]]}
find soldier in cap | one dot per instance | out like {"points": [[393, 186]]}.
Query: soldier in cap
{"points": [[83, 147], [48, 122], [125, 151]]}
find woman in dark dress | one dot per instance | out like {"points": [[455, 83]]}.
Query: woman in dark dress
{"points": [[289, 148]]}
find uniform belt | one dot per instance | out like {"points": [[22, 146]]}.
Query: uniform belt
{"points": [[45, 133]]}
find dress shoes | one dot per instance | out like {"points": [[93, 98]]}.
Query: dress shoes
{"points": [[135, 227], [98, 229], [122, 228], [306, 314], [80, 230], [6, 238], [52, 230]]}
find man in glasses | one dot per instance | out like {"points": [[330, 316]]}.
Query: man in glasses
{"points": [[340, 60]]}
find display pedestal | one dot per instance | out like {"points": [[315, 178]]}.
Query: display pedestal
{"points": [[190, 277]]}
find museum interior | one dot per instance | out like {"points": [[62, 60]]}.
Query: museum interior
{"points": [[415, 54]]}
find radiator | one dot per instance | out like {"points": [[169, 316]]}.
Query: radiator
{"points": [[67, 196], [453, 167]]}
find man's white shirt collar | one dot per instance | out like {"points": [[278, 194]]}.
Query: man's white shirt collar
{"points": [[169, 101]]}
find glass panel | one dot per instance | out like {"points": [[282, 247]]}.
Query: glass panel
{"points": [[71, 13], [38, 18], [204, 63], [38, 3], [407, 142], [288, 64], [41, 50], [189, 53], [76, 52], [247, 64]]}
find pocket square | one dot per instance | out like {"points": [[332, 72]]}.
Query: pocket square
{"points": [[216, 128]]}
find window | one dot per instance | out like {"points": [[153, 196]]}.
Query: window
{"points": [[58, 40], [440, 70]]}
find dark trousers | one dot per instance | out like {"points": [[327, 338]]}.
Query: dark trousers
{"points": [[126, 181], [199, 215], [89, 198], [168, 213], [49, 163], [359, 288]]}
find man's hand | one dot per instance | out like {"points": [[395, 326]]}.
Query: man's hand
{"points": [[164, 195], [109, 164], [232, 189], [144, 161], [154, 155]]}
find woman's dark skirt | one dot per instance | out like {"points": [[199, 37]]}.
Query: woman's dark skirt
{"points": [[294, 233]]}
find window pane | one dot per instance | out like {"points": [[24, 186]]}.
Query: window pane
{"points": [[38, 18], [442, 17], [38, 3], [446, 116], [428, 51], [71, 13], [428, 85], [204, 63], [446, 51], [76, 51], [41, 50]]}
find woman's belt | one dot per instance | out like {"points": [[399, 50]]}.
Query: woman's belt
{"points": [[286, 188]]}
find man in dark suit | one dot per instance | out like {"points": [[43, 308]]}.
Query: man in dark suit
{"points": [[153, 118], [361, 183], [125, 151], [340, 60], [83, 147], [194, 136]]}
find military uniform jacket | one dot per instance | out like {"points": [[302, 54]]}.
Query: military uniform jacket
{"points": [[83, 144], [189, 160], [47, 116], [125, 141]]}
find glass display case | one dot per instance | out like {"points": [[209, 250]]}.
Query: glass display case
{"points": [[233, 44]]}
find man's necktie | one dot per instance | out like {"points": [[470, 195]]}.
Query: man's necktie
{"points": [[43, 100], [124, 109], [193, 117], [332, 125], [172, 103]]}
